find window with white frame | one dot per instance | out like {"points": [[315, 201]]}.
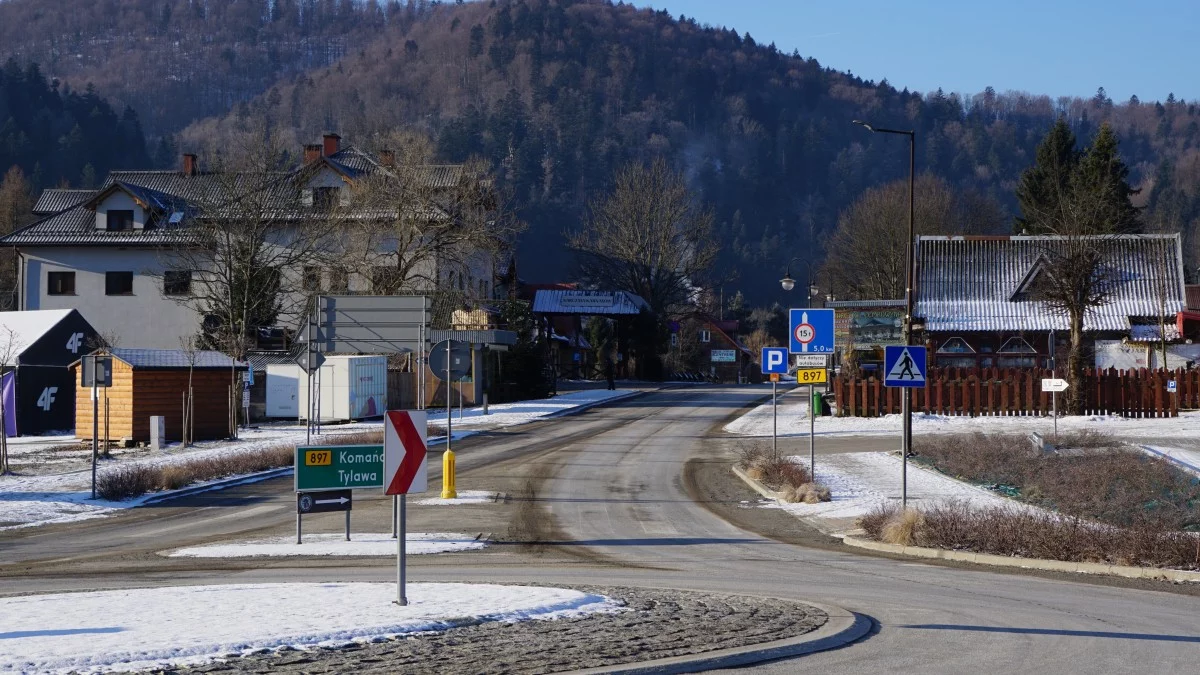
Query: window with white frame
{"points": [[705, 335]]}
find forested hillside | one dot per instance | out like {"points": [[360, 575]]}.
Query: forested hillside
{"points": [[560, 93], [56, 135]]}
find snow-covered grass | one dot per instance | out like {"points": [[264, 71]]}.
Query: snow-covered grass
{"points": [[862, 481], [793, 421], [27, 500], [1185, 458], [157, 627], [360, 544], [464, 497]]}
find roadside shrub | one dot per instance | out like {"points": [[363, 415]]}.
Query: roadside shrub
{"points": [[133, 480], [124, 482], [1029, 533], [1094, 477], [807, 493], [902, 527], [751, 454]]}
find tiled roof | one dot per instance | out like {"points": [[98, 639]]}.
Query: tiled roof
{"points": [[208, 194], [54, 200], [972, 283], [174, 358]]}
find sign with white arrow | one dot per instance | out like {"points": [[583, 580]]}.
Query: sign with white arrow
{"points": [[1054, 384], [324, 502]]}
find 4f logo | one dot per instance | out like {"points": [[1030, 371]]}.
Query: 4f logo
{"points": [[75, 342], [47, 398]]}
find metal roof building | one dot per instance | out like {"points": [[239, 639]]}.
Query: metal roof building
{"points": [[977, 284]]}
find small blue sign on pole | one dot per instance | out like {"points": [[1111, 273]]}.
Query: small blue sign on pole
{"points": [[904, 366], [774, 360], [1171, 387], [810, 331]]}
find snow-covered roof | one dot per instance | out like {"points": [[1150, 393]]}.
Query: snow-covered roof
{"points": [[29, 326], [175, 358], [974, 283]]}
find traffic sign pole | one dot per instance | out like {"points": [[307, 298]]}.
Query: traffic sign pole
{"points": [[774, 418], [401, 590], [812, 425]]}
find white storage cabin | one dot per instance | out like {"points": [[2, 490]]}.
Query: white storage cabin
{"points": [[351, 388]]}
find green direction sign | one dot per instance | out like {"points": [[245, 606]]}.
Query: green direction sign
{"points": [[323, 467]]}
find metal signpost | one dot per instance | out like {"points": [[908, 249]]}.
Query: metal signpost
{"points": [[810, 333], [904, 366], [97, 373], [450, 361], [404, 443], [774, 363], [322, 469], [1054, 385]]}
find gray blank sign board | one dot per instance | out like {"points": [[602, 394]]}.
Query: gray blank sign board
{"points": [[373, 324]]}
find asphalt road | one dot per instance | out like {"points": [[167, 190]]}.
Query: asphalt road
{"points": [[622, 514]]}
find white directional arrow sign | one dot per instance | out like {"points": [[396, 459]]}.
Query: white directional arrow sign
{"points": [[339, 500], [1054, 384]]}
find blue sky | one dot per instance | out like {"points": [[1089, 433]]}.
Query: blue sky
{"points": [[1055, 47]]}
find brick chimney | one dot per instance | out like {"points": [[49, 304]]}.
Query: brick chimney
{"points": [[312, 153], [189, 164], [333, 143], [387, 158]]}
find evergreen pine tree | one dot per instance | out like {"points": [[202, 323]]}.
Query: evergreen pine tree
{"points": [[1043, 185], [1103, 176]]}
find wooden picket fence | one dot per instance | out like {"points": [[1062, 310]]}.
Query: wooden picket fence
{"points": [[1018, 391]]}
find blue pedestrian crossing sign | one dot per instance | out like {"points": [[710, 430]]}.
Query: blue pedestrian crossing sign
{"points": [[774, 360], [810, 331], [904, 366]]}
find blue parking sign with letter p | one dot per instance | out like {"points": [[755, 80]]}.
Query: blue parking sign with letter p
{"points": [[774, 360]]}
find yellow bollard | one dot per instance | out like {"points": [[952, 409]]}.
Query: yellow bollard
{"points": [[448, 491]]}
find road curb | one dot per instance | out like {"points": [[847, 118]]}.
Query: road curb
{"points": [[217, 485], [842, 628], [594, 404], [1150, 573], [757, 486]]}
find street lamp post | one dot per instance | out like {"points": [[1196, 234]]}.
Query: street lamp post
{"points": [[906, 398]]}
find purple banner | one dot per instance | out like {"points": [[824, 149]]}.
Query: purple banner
{"points": [[8, 391]]}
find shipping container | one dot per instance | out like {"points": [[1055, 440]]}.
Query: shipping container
{"points": [[351, 388]]}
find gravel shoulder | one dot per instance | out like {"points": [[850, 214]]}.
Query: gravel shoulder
{"points": [[656, 624]]}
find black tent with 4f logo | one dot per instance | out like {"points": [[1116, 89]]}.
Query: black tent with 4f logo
{"points": [[36, 348]]}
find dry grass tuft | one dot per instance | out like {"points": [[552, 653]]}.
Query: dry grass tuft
{"points": [[903, 527]]}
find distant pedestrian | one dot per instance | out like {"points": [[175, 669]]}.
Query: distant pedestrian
{"points": [[608, 374]]}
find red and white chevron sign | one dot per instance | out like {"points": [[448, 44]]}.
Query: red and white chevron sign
{"points": [[404, 466]]}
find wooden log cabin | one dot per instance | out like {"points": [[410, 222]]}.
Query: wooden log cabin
{"points": [[152, 382]]}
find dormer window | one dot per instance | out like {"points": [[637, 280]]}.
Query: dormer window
{"points": [[119, 220], [325, 198]]}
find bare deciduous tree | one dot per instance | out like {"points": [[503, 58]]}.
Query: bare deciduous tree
{"points": [[417, 225], [648, 237], [248, 246], [866, 251]]}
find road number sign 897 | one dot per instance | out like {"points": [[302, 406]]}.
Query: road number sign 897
{"points": [[318, 458], [810, 375]]}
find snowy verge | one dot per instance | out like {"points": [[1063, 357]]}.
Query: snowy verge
{"points": [[33, 500], [464, 497], [793, 421], [1189, 460], [861, 481], [360, 544], [158, 627]]}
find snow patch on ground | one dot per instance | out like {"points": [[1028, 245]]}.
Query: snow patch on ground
{"points": [[861, 481], [1188, 459], [29, 500], [793, 421], [464, 497], [156, 627], [360, 544]]}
